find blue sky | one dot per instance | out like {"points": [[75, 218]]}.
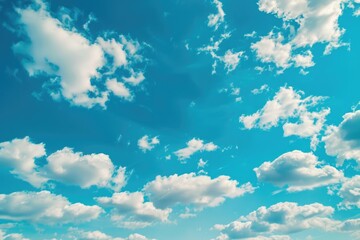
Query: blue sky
{"points": [[207, 119]]}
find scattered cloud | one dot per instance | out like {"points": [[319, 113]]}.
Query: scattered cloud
{"points": [[80, 70], [281, 218], [20, 155], [130, 210], [215, 20], [289, 104], [263, 88], [197, 191], [147, 144], [350, 193], [343, 141], [44, 207], [193, 146], [65, 166], [305, 23], [298, 171]]}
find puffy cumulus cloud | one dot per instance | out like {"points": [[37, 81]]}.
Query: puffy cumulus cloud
{"points": [[80, 70], [79, 234], [230, 58], [44, 207], [343, 141], [289, 104], [350, 192], [308, 22], [65, 166], [147, 144], [197, 191], [19, 155], [281, 218], [215, 20], [298, 171], [193, 146], [130, 210], [75, 168], [271, 49]]}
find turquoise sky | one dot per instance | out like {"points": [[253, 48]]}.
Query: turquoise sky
{"points": [[179, 120]]}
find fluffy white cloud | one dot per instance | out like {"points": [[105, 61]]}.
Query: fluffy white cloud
{"points": [[130, 210], [283, 217], [215, 20], [308, 22], [75, 168], [193, 146], [298, 171], [44, 207], [343, 141], [65, 166], [190, 189], [70, 60], [288, 103], [350, 192], [19, 155], [97, 235], [271, 49], [147, 144]]}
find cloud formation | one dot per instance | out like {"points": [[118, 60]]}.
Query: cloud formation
{"points": [[44, 207], [193, 146], [130, 210], [290, 104], [80, 70], [298, 171], [197, 191], [281, 218], [343, 141], [147, 144], [305, 23], [65, 166]]}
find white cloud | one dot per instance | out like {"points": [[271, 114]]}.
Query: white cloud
{"points": [[118, 88], [343, 141], [350, 192], [298, 171], [201, 163], [147, 144], [193, 146], [289, 104], [229, 58], [215, 20], [75, 168], [281, 218], [65, 166], [197, 191], [75, 65], [97, 235], [271, 49], [19, 155], [130, 210], [307, 22], [44, 207], [263, 88], [11, 236]]}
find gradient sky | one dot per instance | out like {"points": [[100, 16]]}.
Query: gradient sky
{"points": [[174, 120]]}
